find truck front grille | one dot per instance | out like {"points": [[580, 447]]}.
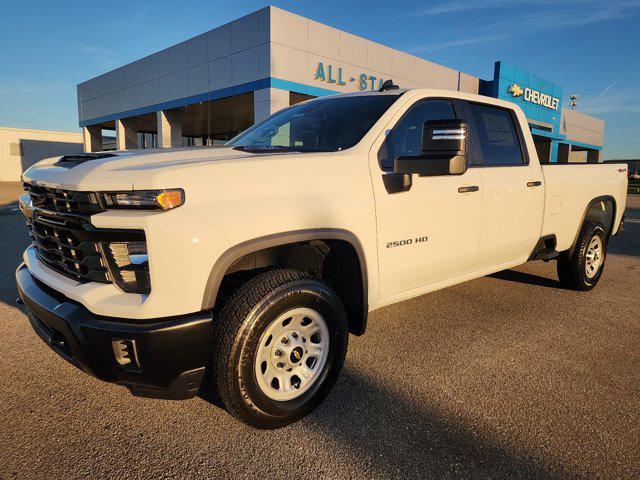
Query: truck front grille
{"points": [[64, 201], [65, 240], [60, 249]]}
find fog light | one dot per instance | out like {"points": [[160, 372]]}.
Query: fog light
{"points": [[128, 265], [125, 353]]}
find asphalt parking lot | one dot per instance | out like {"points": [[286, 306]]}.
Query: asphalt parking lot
{"points": [[502, 377]]}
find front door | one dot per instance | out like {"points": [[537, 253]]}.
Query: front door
{"points": [[431, 232]]}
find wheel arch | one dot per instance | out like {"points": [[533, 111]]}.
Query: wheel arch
{"points": [[598, 210], [357, 308]]}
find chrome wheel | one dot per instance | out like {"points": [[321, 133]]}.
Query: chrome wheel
{"points": [[291, 354], [594, 257]]}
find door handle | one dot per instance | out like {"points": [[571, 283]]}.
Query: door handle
{"points": [[471, 188], [537, 183]]}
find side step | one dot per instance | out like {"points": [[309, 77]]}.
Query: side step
{"points": [[546, 254], [545, 249]]}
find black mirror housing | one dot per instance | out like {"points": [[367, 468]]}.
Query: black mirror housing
{"points": [[444, 138], [443, 150]]}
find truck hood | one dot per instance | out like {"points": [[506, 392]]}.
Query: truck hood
{"points": [[119, 170]]}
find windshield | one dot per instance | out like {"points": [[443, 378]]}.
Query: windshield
{"points": [[324, 125]]}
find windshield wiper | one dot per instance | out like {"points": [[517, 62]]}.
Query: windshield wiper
{"points": [[266, 148], [277, 148]]}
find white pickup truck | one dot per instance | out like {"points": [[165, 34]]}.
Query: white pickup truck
{"points": [[242, 269]]}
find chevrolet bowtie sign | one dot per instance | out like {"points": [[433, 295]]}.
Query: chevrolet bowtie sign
{"points": [[534, 96]]}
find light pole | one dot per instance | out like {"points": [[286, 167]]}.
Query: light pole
{"points": [[574, 101]]}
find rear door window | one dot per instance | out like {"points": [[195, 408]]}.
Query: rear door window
{"points": [[498, 135]]}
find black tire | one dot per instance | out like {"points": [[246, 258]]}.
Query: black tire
{"points": [[237, 331], [572, 267]]}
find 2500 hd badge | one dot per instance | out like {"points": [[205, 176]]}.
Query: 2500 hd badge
{"points": [[408, 241]]}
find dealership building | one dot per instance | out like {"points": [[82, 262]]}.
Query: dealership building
{"points": [[210, 87]]}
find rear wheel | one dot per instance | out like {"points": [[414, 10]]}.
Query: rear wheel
{"points": [[583, 268], [279, 345]]}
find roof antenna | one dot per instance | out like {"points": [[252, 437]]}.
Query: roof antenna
{"points": [[388, 85]]}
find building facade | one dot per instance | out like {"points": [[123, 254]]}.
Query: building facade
{"points": [[210, 87], [21, 148]]}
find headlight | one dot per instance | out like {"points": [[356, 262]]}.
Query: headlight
{"points": [[128, 265], [144, 199]]}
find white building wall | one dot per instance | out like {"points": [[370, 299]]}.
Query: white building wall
{"points": [[268, 43], [580, 127], [230, 55], [298, 44], [19, 149]]}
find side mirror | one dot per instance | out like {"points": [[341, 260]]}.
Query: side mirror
{"points": [[443, 150]]}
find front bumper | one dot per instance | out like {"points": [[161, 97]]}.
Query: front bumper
{"points": [[169, 354]]}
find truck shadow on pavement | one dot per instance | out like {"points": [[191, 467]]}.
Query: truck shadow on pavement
{"points": [[14, 241], [401, 438], [627, 243], [9, 207], [406, 438], [528, 278]]}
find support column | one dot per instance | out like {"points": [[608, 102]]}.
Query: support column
{"points": [[169, 129], [92, 138], [126, 136], [564, 150], [268, 101], [593, 156], [553, 154]]}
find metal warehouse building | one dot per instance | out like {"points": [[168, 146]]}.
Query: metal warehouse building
{"points": [[210, 87], [21, 148]]}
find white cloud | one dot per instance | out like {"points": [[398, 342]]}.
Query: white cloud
{"points": [[14, 88], [446, 8], [93, 50], [457, 6], [514, 23], [456, 43], [102, 57], [616, 101]]}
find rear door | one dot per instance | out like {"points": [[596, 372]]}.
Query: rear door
{"points": [[512, 186]]}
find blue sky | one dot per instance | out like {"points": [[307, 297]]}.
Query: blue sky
{"points": [[592, 48]]}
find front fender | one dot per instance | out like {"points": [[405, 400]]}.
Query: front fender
{"points": [[250, 246]]}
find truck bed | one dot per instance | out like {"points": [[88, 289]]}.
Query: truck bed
{"points": [[571, 187]]}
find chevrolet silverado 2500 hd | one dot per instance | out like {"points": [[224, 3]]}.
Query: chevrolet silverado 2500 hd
{"points": [[242, 269]]}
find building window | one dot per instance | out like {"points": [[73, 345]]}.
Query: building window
{"points": [[295, 97], [16, 148]]}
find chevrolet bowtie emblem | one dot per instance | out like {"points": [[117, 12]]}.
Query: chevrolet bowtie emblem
{"points": [[516, 90]]}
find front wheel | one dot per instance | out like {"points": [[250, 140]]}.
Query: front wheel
{"points": [[583, 268], [279, 345]]}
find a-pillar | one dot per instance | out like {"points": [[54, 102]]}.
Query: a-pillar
{"points": [[92, 138], [126, 135], [268, 101], [169, 129]]}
